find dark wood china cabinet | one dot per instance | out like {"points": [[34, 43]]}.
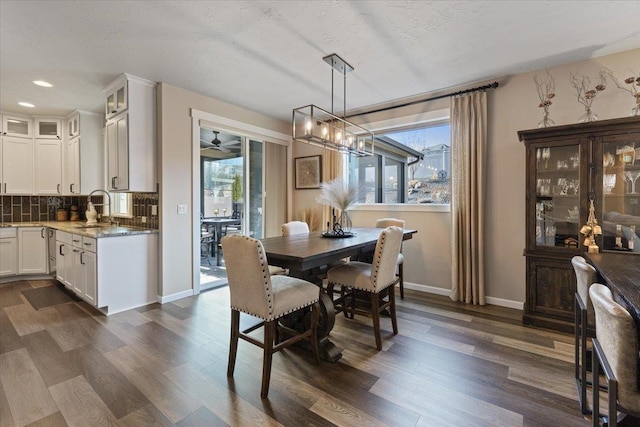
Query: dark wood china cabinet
{"points": [[566, 167]]}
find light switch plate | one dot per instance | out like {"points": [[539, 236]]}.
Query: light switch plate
{"points": [[154, 209], [143, 219], [182, 209]]}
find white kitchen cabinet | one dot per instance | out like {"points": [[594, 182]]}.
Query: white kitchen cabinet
{"points": [[73, 125], [32, 250], [64, 258], [131, 137], [87, 270], [16, 170], [117, 97], [8, 252], [48, 128], [83, 155], [17, 125], [48, 166]]}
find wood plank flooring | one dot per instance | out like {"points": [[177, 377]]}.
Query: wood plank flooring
{"points": [[65, 364]]}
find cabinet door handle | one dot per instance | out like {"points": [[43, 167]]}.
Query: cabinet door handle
{"points": [[60, 250], [76, 241], [87, 244], [58, 188], [70, 188], [58, 136], [42, 233], [81, 258]]}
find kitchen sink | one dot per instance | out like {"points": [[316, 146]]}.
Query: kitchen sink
{"points": [[89, 226]]}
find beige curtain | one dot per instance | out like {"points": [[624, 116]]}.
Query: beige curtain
{"points": [[468, 157]]}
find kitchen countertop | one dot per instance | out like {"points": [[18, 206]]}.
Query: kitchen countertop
{"points": [[79, 227]]}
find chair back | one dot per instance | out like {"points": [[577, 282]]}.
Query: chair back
{"points": [[585, 277], [383, 268], [295, 227], [248, 275], [617, 334], [388, 222]]}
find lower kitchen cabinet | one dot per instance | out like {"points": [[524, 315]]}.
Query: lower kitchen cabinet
{"points": [[112, 273], [8, 252], [32, 250]]}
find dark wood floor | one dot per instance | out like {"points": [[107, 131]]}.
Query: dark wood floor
{"points": [[451, 365]]}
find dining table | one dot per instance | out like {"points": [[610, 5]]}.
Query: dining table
{"points": [[620, 272], [306, 254], [217, 223]]}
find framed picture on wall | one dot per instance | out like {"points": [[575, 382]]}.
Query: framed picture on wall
{"points": [[308, 171]]}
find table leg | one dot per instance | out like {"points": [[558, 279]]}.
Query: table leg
{"points": [[300, 321], [216, 244]]}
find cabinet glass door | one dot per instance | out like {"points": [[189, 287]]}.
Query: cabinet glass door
{"points": [[121, 98], [111, 104], [557, 201], [47, 128], [621, 194], [16, 126]]}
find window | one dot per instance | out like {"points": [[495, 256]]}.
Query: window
{"points": [[410, 166], [122, 206]]}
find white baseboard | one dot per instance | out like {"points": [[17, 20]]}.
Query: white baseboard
{"points": [[173, 297], [518, 305]]}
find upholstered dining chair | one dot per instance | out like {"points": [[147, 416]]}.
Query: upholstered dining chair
{"points": [[370, 278], [584, 322], [295, 227], [615, 350], [388, 222], [257, 293]]}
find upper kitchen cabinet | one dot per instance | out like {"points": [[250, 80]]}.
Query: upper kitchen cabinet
{"points": [[131, 135], [16, 125], [83, 154], [117, 96], [48, 128], [16, 165], [73, 125]]}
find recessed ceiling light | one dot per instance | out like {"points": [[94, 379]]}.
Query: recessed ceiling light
{"points": [[26, 104], [42, 83]]}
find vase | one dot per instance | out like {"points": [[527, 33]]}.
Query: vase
{"points": [[635, 111], [546, 121], [588, 116], [345, 221]]}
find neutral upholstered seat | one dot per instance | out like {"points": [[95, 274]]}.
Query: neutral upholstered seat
{"points": [[615, 350], [388, 222], [295, 227], [584, 320], [254, 291], [370, 278]]}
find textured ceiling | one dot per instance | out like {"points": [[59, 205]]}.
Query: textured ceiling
{"points": [[267, 55]]}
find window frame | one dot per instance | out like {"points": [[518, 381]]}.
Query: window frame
{"points": [[114, 211], [383, 153]]}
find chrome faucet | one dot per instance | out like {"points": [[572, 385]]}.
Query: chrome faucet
{"points": [[111, 220]]}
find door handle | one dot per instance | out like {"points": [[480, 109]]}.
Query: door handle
{"points": [[70, 188], [58, 188], [60, 250], [81, 258], [42, 233]]}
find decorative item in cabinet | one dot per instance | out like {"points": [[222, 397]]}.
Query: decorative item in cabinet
{"points": [[566, 167]]}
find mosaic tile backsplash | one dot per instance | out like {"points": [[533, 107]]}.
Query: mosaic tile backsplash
{"points": [[43, 208]]}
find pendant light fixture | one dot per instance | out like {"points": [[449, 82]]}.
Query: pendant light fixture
{"points": [[315, 126]]}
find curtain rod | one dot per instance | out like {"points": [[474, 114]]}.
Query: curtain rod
{"points": [[433, 98]]}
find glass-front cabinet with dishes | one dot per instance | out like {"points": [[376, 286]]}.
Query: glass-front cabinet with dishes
{"points": [[567, 168]]}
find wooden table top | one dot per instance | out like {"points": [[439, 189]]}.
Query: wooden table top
{"points": [[303, 252], [621, 272]]}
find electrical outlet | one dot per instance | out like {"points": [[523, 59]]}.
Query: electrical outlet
{"points": [[154, 209], [182, 209], [144, 219]]}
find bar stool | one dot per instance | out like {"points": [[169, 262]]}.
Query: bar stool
{"points": [[615, 350], [584, 319]]}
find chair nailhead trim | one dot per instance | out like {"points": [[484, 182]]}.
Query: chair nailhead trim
{"points": [[270, 318]]}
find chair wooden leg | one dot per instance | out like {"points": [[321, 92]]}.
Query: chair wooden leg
{"points": [[401, 276], [233, 345], [392, 308], [375, 313], [315, 318], [269, 336]]}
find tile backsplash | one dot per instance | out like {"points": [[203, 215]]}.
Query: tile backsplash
{"points": [[43, 208]]}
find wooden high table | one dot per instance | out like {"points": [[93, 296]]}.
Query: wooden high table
{"points": [[303, 253], [621, 273]]}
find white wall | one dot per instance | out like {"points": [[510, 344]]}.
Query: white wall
{"points": [[512, 107], [175, 160]]}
